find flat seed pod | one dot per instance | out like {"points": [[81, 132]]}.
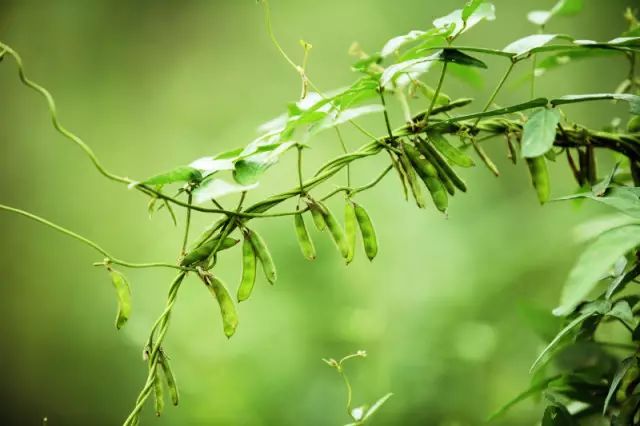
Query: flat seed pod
{"points": [[337, 233], [123, 292], [368, 232], [202, 253], [263, 254], [158, 392], [227, 308], [410, 174], [450, 152], [248, 271], [350, 227], [304, 239], [318, 216], [429, 175], [539, 177], [171, 380], [441, 164]]}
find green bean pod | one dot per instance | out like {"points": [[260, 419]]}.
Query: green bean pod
{"points": [[123, 293], [350, 228], [318, 216], [336, 233], [171, 380], [227, 308], [410, 174], [304, 239], [248, 278], [263, 254], [429, 174], [368, 232], [453, 154], [202, 253], [431, 154], [539, 177], [158, 392]]}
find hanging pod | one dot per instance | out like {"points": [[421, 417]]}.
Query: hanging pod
{"points": [[304, 239], [350, 225], [410, 174], [336, 231], [429, 175], [263, 254], [227, 308], [318, 215], [203, 252], [123, 293], [432, 154], [368, 232], [248, 278], [453, 154], [539, 177], [158, 392], [170, 378]]}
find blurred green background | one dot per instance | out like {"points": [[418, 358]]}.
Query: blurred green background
{"points": [[154, 84]]}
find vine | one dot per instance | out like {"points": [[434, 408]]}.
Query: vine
{"points": [[422, 156]]}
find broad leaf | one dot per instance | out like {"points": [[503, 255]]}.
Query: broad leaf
{"points": [[622, 311], [539, 132], [593, 263], [336, 118], [413, 68], [179, 174], [460, 25], [562, 8], [210, 165], [469, 8], [395, 43], [534, 389], [601, 187], [526, 44], [256, 160], [215, 188], [634, 100]]}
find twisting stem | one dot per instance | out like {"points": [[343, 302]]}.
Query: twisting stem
{"points": [[187, 224], [95, 246], [346, 151]]}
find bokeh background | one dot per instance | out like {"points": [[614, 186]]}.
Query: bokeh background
{"points": [[155, 84]]}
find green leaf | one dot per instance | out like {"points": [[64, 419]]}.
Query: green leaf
{"points": [[339, 117], [594, 262], [534, 389], [214, 188], [539, 132], [633, 100], [376, 406], [622, 311], [597, 307], [623, 198], [469, 8], [557, 415], [179, 174], [457, 57], [473, 15], [525, 45], [250, 167], [210, 165], [562, 8], [410, 69], [601, 187], [397, 42], [123, 292]]}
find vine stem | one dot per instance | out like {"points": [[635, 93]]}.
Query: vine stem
{"points": [[436, 93], [185, 240], [92, 244]]}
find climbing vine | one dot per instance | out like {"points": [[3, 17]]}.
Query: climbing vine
{"points": [[428, 166]]}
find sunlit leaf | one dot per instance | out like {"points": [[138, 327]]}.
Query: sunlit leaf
{"points": [[256, 160], [539, 132], [396, 42], [526, 44], [413, 67], [596, 260], [469, 8], [622, 311], [562, 8], [339, 117], [623, 198], [455, 18], [376, 406], [215, 188], [179, 174], [209, 165]]}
